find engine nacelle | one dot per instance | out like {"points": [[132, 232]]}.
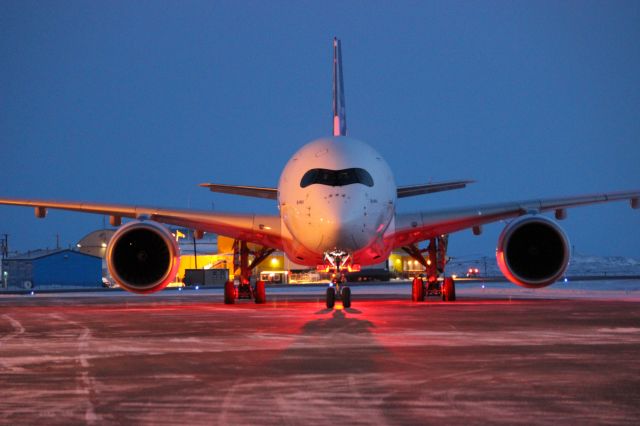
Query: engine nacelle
{"points": [[533, 251], [143, 257]]}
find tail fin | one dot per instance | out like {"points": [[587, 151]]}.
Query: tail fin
{"points": [[339, 112]]}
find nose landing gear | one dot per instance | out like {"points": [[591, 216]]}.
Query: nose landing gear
{"points": [[338, 264], [336, 291]]}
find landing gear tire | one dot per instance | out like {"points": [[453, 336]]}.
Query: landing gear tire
{"points": [[417, 290], [229, 293], [331, 297], [260, 293], [346, 297], [448, 290]]}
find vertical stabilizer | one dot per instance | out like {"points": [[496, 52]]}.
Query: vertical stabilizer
{"points": [[339, 112]]}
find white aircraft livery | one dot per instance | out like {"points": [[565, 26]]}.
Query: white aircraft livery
{"points": [[337, 212]]}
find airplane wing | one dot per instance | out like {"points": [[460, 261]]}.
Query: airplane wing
{"points": [[248, 191], [259, 229], [410, 191], [415, 227]]}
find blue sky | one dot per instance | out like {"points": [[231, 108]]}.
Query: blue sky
{"points": [[138, 102]]}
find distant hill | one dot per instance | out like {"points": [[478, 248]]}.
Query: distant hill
{"points": [[603, 265], [579, 265]]}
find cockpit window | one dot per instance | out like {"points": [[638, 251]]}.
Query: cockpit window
{"points": [[336, 177]]}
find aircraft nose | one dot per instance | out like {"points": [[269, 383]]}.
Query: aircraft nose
{"points": [[342, 223]]}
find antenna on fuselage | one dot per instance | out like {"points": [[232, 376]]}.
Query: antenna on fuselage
{"points": [[339, 112]]}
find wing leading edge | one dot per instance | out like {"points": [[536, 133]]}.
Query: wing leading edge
{"points": [[259, 229], [415, 227]]}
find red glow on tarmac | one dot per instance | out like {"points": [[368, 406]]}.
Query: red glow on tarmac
{"points": [[133, 360]]}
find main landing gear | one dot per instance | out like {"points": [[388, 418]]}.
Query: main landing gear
{"points": [[338, 261], [421, 289], [243, 268], [245, 291], [434, 264]]}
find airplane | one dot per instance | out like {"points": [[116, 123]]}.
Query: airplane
{"points": [[337, 201]]}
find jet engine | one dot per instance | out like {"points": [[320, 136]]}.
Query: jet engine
{"points": [[142, 257], [533, 251]]}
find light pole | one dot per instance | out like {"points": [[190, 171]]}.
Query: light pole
{"points": [[4, 252], [4, 246]]}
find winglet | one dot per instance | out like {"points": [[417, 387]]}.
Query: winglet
{"points": [[339, 112]]}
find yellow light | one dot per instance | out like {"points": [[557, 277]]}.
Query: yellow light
{"points": [[454, 276], [104, 244], [274, 261], [397, 260], [429, 262]]}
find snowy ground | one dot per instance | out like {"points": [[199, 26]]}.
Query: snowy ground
{"points": [[567, 354]]}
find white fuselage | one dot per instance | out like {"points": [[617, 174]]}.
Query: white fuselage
{"points": [[336, 193]]}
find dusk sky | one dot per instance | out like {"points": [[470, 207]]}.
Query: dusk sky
{"points": [[137, 102]]}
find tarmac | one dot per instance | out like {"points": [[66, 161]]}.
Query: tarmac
{"points": [[496, 356]]}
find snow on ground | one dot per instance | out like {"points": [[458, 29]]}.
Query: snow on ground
{"points": [[599, 289]]}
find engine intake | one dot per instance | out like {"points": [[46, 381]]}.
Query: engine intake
{"points": [[143, 257], [533, 251]]}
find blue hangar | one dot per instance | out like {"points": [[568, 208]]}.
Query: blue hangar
{"points": [[43, 269]]}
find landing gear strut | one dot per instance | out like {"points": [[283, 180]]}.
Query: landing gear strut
{"points": [[242, 272]]}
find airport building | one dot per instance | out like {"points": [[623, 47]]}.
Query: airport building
{"points": [[42, 269]]}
